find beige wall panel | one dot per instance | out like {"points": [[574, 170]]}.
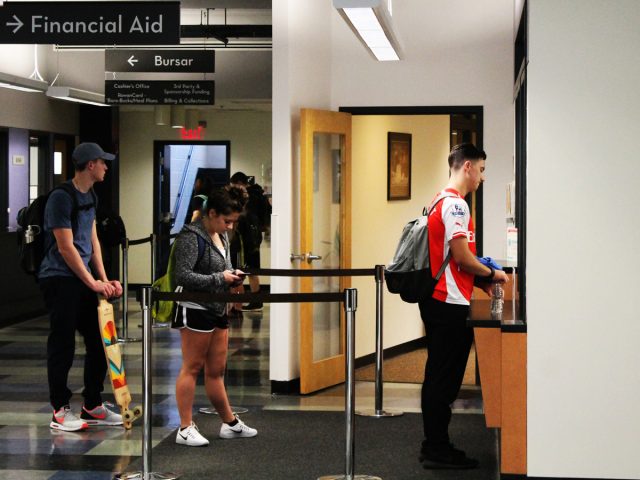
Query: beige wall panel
{"points": [[377, 222]]}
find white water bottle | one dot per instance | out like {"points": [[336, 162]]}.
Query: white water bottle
{"points": [[497, 300]]}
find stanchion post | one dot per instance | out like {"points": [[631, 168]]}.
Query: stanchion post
{"points": [[124, 338], [350, 307], [153, 238], [379, 411], [146, 379], [146, 473], [154, 256], [125, 286], [379, 343]]}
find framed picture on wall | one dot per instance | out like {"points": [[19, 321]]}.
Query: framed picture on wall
{"points": [[398, 166]]}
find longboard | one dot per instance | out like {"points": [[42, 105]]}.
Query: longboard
{"points": [[115, 363]]}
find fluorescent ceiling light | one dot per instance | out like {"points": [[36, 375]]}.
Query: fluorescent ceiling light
{"points": [[76, 95], [22, 83], [371, 22]]}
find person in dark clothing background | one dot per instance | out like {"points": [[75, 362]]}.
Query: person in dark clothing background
{"points": [[249, 233]]}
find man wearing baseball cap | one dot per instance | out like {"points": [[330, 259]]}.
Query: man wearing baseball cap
{"points": [[70, 275]]}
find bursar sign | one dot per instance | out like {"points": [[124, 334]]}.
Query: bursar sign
{"points": [[90, 23]]}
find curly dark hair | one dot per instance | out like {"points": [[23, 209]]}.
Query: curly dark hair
{"points": [[226, 201]]}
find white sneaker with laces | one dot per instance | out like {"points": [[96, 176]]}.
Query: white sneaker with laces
{"points": [[101, 415], [239, 430], [191, 437], [65, 420]]}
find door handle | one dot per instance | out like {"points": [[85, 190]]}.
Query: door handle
{"points": [[311, 257], [295, 256]]}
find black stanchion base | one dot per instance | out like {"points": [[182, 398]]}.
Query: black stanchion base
{"points": [[212, 411], [148, 476], [372, 412], [346, 477]]}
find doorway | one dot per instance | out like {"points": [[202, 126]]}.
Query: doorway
{"points": [[177, 165]]}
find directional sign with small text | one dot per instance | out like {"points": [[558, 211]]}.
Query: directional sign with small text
{"points": [[122, 60], [90, 23], [159, 92]]}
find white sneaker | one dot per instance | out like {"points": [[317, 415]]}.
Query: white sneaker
{"points": [[239, 430], [65, 420], [191, 437]]}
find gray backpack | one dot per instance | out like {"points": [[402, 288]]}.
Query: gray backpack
{"points": [[409, 273]]}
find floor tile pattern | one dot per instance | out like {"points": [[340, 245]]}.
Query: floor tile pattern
{"points": [[29, 450]]}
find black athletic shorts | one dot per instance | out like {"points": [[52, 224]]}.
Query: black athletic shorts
{"points": [[198, 320]]}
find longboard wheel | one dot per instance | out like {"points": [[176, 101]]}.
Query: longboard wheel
{"points": [[137, 411]]}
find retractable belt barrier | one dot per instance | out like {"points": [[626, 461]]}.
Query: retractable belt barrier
{"points": [[126, 243], [348, 297]]}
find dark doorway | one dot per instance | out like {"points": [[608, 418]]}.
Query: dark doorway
{"points": [[177, 164], [4, 180]]}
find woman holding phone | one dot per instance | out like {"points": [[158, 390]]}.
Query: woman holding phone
{"points": [[202, 264]]}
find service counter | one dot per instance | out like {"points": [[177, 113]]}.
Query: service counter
{"points": [[501, 349]]}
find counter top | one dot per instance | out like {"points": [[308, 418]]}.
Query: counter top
{"points": [[507, 266], [480, 316]]}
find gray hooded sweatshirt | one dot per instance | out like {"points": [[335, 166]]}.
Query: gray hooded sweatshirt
{"points": [[205, 275]]}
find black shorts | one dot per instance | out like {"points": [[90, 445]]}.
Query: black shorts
{"points": [[198, 320]]}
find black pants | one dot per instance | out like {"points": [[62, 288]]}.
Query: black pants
{"points": [[448, 345], [72, 306]]}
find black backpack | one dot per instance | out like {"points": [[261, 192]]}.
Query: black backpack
{"points": [[258, 204], [110, 228], [31, 249]]}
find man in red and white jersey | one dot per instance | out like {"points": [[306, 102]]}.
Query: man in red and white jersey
{"points": [[451, 234]]}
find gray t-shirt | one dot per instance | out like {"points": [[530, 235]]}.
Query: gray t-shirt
{"points": [[57, 214]]}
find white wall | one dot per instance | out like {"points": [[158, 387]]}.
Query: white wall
{"points": [[250, 137], [37, 112], [375, 218], [455, 52], [301, 78], [31, 110], [582, 235]]}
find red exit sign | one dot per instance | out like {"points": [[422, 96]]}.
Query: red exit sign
{"points": [[192, 133]]}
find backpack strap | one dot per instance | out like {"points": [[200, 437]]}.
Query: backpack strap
{"points": [[444, 265], [71, 191], [201, 247], [428, 211]]}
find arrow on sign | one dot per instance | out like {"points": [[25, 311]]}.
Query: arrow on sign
{"points": [[18, 24], [132, 60]]}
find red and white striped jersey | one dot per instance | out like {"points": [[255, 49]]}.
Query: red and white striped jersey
{"points": [[450, 219]]}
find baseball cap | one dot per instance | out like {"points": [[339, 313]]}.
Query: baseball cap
{"points": [[85, 152]]}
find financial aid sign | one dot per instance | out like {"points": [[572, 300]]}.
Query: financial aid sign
{"points": [[90, 23]]}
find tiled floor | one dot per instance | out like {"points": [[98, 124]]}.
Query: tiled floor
{"points": [[29, 450]]}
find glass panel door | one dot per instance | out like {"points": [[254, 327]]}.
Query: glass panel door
{"points": [[324, 241]]}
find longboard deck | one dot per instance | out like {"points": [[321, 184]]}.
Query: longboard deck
{"points": [[115, 363]]}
